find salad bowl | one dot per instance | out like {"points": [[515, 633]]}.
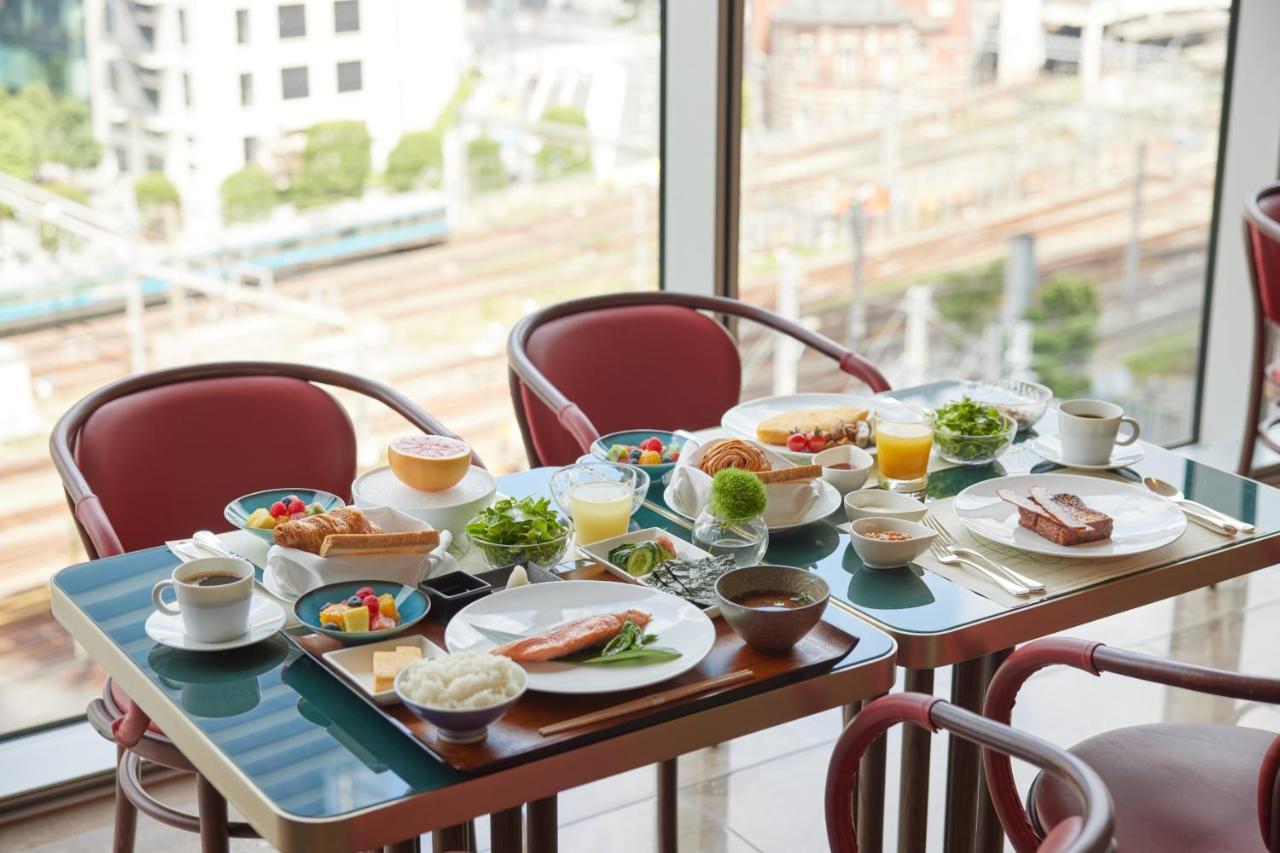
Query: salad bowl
{"points": [[520, 531]]}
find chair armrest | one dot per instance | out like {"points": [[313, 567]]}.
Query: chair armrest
{"points": [[93, 519]]}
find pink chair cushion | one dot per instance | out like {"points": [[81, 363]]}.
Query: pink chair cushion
{"points": [[1175, 787], [636, 367], [164, 462]]}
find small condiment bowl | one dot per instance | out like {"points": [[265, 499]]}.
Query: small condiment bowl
{"points": [[771, 630], [882, 503], [844, 480], [466, 726], [889, 554]]}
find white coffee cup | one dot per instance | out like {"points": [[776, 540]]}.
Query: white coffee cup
{"points": [[1090, 430], [213, 596]]}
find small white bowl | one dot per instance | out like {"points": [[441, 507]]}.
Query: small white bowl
{"points": [[882, 554], [882, 503], [845, 481]]}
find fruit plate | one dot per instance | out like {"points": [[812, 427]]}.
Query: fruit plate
{"points": [[238, 511], [599, 551], [741, 421], [600, 448], [1142, 521], [411, 603]]}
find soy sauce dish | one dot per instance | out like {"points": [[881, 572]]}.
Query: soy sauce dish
{"points": [[771, 607]]}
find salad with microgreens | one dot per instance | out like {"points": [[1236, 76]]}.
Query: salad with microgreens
{"points": [[525, 530], [970, 432]]}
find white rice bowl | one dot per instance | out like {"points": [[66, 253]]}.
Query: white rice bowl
{"points": [[468, 681]]}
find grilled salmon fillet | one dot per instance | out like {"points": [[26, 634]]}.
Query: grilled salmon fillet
{"points": [[572, 636], [1062, 518]]}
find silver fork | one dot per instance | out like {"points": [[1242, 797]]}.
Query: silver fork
{"points": [[949, 543], [950, 559]]}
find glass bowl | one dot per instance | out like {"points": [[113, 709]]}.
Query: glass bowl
{"points": [[565, 480], [974, 449], [1024, 401], [542, 554]]}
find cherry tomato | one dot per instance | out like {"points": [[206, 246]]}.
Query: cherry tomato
{"points": [[797, 442], [817, 442]]}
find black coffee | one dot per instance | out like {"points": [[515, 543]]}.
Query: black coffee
{"points": [[213, 580], [1096, 417]]}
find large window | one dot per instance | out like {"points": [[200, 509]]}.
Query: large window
{"points": [[507, 182], [951, 193]]}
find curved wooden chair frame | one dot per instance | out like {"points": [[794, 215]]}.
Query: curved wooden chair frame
{"points": [[1090, 834], [1256, 220]]}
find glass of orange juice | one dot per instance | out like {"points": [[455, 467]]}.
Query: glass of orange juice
{"points": [[904, 437]]}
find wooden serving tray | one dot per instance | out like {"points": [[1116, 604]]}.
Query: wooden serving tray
{"points": [[515, 739]]}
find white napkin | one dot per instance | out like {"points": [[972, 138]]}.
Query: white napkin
{"points": [[296, 572], [690, 488]]}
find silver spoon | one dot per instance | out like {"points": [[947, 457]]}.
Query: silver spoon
{"points": [[1174, 494]]}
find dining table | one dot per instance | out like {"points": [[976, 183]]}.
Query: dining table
{"points": [[937, 622], [313, 767]]}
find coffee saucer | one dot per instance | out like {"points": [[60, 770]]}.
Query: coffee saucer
{"points": [[265, 618], [1050, 447]]}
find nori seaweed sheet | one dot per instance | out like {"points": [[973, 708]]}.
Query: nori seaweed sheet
{"points": [[693, 580]]}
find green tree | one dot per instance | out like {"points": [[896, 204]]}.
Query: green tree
{"points": [[485, 170], [417, 160], [335, 163], [17, 148], [971, 298], [1065, 317], [247, 195], [59, 127], [154, 191], [557, 158]]}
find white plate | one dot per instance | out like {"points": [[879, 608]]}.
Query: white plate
{"points": [[1050, 447], [356, 663], [265, 618], [828, 501], [684, 551], [1143, 522], [743, 418], [541, 606]]}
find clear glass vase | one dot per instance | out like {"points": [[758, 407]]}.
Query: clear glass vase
{"points": [[745, 540]]}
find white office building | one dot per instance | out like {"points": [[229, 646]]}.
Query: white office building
{"points": [[198, 89]]}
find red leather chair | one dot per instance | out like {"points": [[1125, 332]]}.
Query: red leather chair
{"points": [[1184, 787], [1086, 830], [592, 366], [1262, 248], [156, 457]]}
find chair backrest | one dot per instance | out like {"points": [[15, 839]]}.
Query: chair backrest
{"points": [[157, 456], [588, 367], [1262, 244], [1090, 833]]}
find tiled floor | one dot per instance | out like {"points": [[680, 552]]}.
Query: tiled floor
{"points": [[764, 792]]}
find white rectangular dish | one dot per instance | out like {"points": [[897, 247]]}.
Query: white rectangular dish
{"points": [[684, 551], [356, 662]]}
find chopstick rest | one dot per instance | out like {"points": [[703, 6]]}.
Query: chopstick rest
{"points": [[646, 702]]}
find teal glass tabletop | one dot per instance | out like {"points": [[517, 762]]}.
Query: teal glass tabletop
{"points": [[307, 742]]}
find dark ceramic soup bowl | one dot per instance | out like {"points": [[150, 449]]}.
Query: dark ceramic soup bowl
{"points": [[772, 629]]}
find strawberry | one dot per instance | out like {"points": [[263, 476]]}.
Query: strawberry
{"points": [[278, 509], [364, 592]]}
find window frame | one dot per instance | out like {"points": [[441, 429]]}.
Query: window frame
{"points": [[289, 8], [306, 81], [358, 64], [354, 4], [244, 26]]}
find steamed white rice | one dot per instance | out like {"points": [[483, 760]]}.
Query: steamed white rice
{"points": [[462, 682]]}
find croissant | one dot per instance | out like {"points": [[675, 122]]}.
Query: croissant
{"points": [[733, 453], [307, 534]]}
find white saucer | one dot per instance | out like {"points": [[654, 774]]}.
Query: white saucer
{"points": [[1050, 447], [265, 618]]}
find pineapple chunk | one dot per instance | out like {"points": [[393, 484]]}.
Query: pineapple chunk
{"points": [[355, 619], [387, 604], [261, 519]]}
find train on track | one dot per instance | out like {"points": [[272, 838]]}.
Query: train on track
{"points": [[284, 246]]}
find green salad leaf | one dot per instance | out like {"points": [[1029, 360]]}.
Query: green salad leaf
{"points": [[518, 531]]}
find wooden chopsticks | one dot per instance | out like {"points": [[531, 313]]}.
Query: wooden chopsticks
{"points": [[646, 702]]}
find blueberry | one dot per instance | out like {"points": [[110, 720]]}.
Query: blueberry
{"points": [[354, 601]]}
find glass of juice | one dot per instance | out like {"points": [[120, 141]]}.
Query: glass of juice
{"points": [[600, 497], [904, 437]]}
